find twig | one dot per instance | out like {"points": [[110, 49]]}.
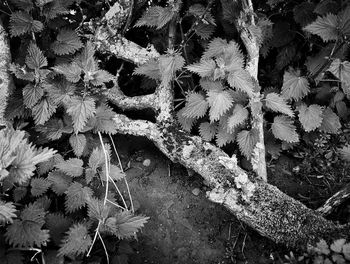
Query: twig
{"points": [[106, 168], [121, 168], [104, 247]]}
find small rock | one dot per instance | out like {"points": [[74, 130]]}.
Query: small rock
{"points": [[196, 191], [146, 162]]}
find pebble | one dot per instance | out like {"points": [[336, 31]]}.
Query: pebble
{"points": [[196, 191], [146, 162]]}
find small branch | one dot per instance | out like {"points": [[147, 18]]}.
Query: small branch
{"points": [[6, 81], [334, 201], [252, 46], [136, 127], [117, 97]]}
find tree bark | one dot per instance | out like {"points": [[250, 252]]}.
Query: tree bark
{"points": [[6, 82]]}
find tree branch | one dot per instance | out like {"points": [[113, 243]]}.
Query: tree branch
{"points": [[118, 98], [258, 204], [337, 199], [6, 81], [251, 44], [123, 48]]}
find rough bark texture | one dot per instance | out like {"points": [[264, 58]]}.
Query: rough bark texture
{"points": [[333, 202], [252, 46], [5, 78], [255, 202]]}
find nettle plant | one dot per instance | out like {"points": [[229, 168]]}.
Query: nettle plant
{"points": [[312, 97], [72, 200]]}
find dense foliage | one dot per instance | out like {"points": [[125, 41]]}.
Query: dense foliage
{"points": [[67, 203]]}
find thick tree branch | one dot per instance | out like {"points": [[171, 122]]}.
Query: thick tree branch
{"points": [[123, 48], [251, 44], [6, 82], [258, 204]]}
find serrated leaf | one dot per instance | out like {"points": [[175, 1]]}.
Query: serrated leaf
{"points": [[337, 245], [48, 165], [43, 202], [219, 102], [22, 72], [53, 129], [322, 247], [43, 110], [103, 120], [346, 251], [149, 69], [96, 158], [32, 94], [39, 186], [115, 173], [61, 92], [78, 143], [185, 122], [19, 193], [150, 17], [35, 58], [97, 210], [168, 65], [100, 77], [345, 152], [239, 115], [330, 123], [156, 16], [283, 129], [7, 212], [71, 71], [124, 224], [310, 116], [80, 109], [57, 224], [246, 141], [204, 31], [215, 48], [196, 106], [67, 42], [76, 242], [86, 60], [241, 80], [326, 27], [76, 197], [22, 23], [72, 167], [209, 85], [294, 86], [204, 68], [59, 181], [277, 104], [26, 231], [341, 70], [208, 130], [224, 137]]}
